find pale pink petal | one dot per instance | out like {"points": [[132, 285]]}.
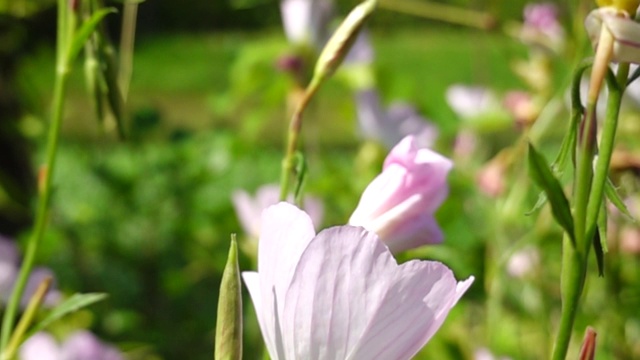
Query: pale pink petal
{"points": [[286, 232], [625, 31], [338, 286], [416, 231], [350, 300], [413, 309]]}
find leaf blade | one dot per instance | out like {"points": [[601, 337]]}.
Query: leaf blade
{"points": [[541, 174]]}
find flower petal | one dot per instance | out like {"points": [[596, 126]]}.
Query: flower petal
{"points": [[625, 31], [350, 300], [286, 232]]}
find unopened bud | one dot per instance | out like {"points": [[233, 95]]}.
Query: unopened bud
{"points": [[588, 349], [229, 322], [338, 46]]}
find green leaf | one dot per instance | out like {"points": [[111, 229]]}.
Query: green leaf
{"points": [[542, 199], [602, 227], [72, 304], [614, 197], [301, 173], [559, 164], [107, 55], [541, 174], [87, 28], [599, 253]]}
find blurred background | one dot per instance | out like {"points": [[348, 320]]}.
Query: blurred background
{"points": [[148, 219]]}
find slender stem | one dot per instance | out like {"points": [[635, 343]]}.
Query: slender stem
{"points": [[26, 319], [442, 12], [44, 184], [294, 132], [127, 39], [572, 283], [606, 148]]}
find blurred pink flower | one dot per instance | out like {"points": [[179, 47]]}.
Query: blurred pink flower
{"points": [[391, 126], [340, 294], [625, 32], [249, 210], [398, 205], [81, 345], [491, 178], [9, 259], [541, 26], [40, 346], [8, 267]]}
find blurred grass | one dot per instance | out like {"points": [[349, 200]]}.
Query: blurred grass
{"points": [[186, 78]]}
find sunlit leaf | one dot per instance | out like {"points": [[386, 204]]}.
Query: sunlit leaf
{"points": [[599, 252], [543, 177], [87, 28], [72, 304], [614, 197]]}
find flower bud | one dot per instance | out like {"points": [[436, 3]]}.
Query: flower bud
{"points": [[339, 44], [399, 203], [229, 322]]}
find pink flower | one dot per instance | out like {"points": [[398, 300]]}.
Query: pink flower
{"points": [[341, 295], [541, 26], [399, 203]]}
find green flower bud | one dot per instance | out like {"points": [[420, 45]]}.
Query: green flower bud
{"points": [[229, 324]]}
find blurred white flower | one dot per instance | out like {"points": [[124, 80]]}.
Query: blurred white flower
{"points": [[306, 21], [394, 124], [249, 209], [470, 101], [485, 354], [523, 262]]}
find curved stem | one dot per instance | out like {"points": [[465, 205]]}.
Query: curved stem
{"points": [[44, 183]]}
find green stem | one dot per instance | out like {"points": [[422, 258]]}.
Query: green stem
{"points": [[606, 147], [44, 184], [288, 163], [572, 282]]}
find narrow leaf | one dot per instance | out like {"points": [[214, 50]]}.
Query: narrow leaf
{"points": [[614, 197], [301, 173], [72, 304], [87, 28], [543, 177], [542, 199], [107, 56], [599, 253], [602, 227]]}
